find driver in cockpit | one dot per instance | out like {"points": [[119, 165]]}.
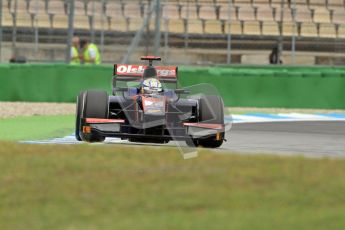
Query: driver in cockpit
{"points": [[151, 86]]}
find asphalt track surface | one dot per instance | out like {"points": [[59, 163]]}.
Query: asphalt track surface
{"points": [[316, 138], [308, 138]]}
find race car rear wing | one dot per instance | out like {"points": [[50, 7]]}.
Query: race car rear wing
{"points": [[124, 72]]}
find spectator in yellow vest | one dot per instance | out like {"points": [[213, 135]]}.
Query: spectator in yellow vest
{"points": [[90, 53], [75, 51]]}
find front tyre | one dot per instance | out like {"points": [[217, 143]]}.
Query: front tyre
{"points": [[80, 102], [95, 105], [211, 111]]}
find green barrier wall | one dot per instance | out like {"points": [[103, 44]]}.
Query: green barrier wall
{"points": [[271, 86]]}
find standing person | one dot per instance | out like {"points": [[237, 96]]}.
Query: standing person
{"points": [[90, 53], [75, 51], [274, 57]]}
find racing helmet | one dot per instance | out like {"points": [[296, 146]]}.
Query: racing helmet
{"points": [[151, 86]]}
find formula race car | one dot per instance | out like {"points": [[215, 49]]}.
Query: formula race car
{"points": [[147, 106]]}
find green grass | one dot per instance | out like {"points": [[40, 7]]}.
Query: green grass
{"points": [[124, 187], [36, 127]]}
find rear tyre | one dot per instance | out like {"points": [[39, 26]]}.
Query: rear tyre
{"points": [[95, 105], [211, 111]]}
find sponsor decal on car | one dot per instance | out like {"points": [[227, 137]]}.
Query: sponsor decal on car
{"points": [[138, 70]]}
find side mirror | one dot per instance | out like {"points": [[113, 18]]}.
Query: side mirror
{"points": [[121, 89], [182, 91]]}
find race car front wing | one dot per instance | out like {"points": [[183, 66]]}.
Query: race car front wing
{"points": [[116, 127]]}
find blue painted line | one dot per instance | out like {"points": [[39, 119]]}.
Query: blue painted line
{"points": [[266, 115], [230, 119], [333, 115]]}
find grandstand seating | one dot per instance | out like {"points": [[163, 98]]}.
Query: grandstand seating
{"points": [[207, 13], [313, 18], [56, 12], [38, 13], [341, 31], [212, 27], [335, 4], [251, 28], [287, 15], [223, 13], [265, 14], [170, 12], [115, 18], [308, 29], [246, 14], [317, 4], [96, 14], [270, 28], [194, 26], [6, 15], [304, 14], [306, 19], [261, 3], [241, 2], [327, 30], [236, 26], [278, 3], [171, 19], [189, 12], [322, 15], [290, 28], [134, 13], [20, 14], [338, 16], [80, 17]]}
